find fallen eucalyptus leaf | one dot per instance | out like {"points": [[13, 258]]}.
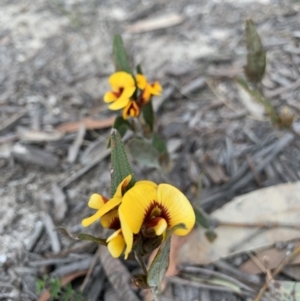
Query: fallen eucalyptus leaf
{"points": [[284, 290], [278, 204]]}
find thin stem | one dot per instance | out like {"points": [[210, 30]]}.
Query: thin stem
{"points": [[141, 262]]}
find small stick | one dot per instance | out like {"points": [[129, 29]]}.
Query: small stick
{"points": [[11, 121], [267, 225], [90, 271], [52, 233], [279, 91], [38, 230], [252, 168], [284, 262]]}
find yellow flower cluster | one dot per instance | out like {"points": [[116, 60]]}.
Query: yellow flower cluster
{"points": [[129, 93], [146, 210]]}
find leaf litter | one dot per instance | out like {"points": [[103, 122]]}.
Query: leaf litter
{"points": [[70, 81]]}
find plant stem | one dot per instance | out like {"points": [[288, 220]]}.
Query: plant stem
{"points": [[141, 262]]}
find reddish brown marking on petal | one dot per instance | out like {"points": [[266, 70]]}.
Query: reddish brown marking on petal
{"points": [[118, 93], [153, 222], [105, 200], [115, 224], [124, 185], [155, 210]]}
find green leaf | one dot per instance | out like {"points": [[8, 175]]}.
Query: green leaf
{"points": [[54, 287], [83, 236], [160, 263], [159, 144], [121, 125], [144, 152], [120, 56], [40, 285], [139, 69], [148, 114], [256, 56], [120, 167], [202, 218]]}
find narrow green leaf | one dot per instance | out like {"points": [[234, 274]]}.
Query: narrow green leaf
{"points": [[120, 56], [139, 69], [202, 218], [256, 56], [160, 263], [148, 114], [120, 167], [83, 236], [144, 152], [159, 144]]}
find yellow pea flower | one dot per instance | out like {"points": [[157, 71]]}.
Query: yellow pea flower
{"points": [[147, 89], [151, 209], [131, 110], [104, 206], [123, 86]]}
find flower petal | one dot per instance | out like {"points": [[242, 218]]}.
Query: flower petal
{"points": [[96, 201], [111, 204], [156, 88], [179, 208], [158, 224], [121, 187], [120, 103], [131, 110], [109, 97], [121, 79], [141, 81], [123, 100], [127, 233], [135, 203], [145, 182], [116, 244], [146, 95], [111, 220], [88, 221]]}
